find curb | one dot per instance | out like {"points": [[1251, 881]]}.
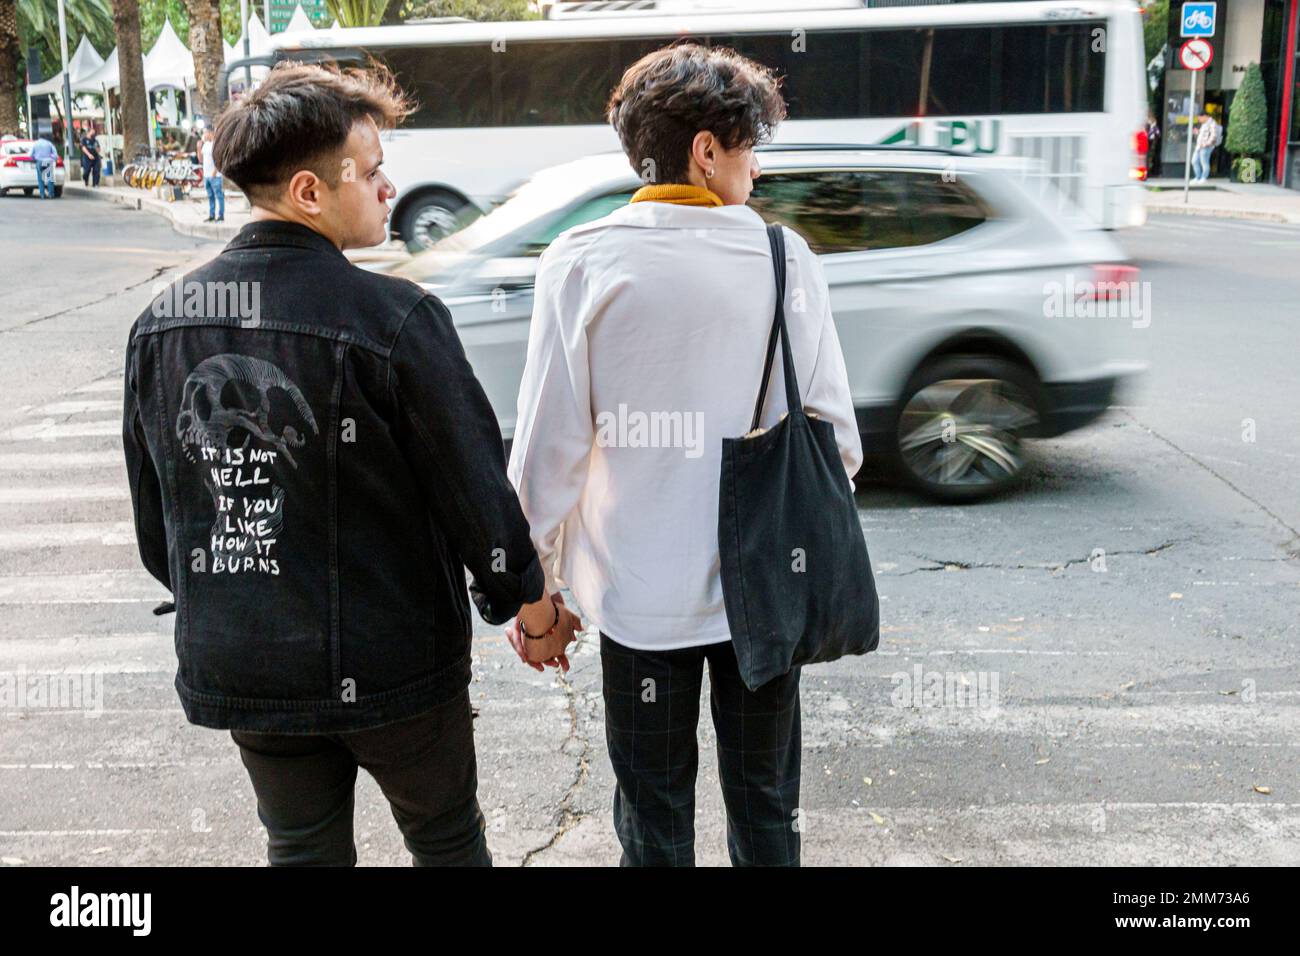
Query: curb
{"points": [[143, 201], [1218, 212]]}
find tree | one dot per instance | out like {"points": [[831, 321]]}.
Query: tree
{"points": [[1155, 27], [358, 13], [10, 58], [134, 96], [1248, 118], [209, 55]]}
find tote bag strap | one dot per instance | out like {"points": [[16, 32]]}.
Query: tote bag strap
{"points": [[776, 238]]}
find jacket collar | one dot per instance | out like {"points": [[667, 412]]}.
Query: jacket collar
{"points": [[673, 216], [276, 232]]}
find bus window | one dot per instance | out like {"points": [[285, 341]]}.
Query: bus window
{"points": [[452, 85], [1052, 69], [555, 84]]}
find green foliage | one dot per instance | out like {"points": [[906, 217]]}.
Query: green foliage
{"points": [[153, 12], [469, 9], [38, 26], [358, 13], [1248, 118], [1155, 27]]}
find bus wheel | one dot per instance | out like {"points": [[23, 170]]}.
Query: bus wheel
{"points": [[432, 216], [960, 425]]}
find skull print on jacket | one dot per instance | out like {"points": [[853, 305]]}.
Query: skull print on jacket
{"points": [[313, 486]]}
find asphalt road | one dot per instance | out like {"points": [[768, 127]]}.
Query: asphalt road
{"points": [[1119, 637]]}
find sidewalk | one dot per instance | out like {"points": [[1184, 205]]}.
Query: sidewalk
{"points": [[1219, 197], [187, 215]]}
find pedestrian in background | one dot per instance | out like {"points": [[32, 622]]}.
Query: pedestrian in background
{"points": [[1208, 136], [212, 182], [45, 155], [667, 303], [1153, 145], [89, 156]]}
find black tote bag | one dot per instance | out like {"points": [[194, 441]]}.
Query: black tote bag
{"points": [[796, 578]]}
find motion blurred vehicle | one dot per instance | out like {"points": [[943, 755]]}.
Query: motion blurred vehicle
{"points": [[18, 169], [1059, 82], [971, 315]]}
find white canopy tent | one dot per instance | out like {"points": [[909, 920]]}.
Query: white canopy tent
{"points": [[83, 63], [299, 22], [259, 43], [169, 64], [104, 78]]}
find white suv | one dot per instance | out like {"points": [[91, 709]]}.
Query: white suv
{"points": [[970, 315]]}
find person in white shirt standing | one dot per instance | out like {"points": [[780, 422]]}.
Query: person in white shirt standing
{"points": [[1208, 136], [646, 349], [212, 182]]}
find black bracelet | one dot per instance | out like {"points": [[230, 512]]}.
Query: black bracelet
{"points": [[538, 637]]}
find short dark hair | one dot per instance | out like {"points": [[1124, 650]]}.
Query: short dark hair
{"points": [[665, 98], [299, 118]]}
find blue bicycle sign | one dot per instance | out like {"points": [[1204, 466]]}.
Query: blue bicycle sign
{"points": [[1198, 19]]}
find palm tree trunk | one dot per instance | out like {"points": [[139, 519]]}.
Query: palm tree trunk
{"points": [[10, 56], [135, 98], [209, 55]]}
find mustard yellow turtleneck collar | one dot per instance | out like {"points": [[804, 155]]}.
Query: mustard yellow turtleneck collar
{"points": [[682, 194]]}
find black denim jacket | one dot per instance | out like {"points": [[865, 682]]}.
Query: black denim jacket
{"points": [[313, 467]]}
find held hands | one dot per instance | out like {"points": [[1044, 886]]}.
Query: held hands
{"points": [[549, 649]]}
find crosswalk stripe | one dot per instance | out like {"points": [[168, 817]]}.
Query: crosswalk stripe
{"points": [[39, 495], [109, 385], [48, 431], [79, 408], [94, 587], [59, 460], [17, 537]]}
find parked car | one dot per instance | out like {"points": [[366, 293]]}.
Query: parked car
{"points": [[18, 169], [971, 317]]}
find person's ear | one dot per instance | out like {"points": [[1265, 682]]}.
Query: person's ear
{"points": [[702, 149], [306, 192]]}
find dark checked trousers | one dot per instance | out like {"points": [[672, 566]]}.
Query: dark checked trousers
{"points": [[425, 766], [653, 748]]}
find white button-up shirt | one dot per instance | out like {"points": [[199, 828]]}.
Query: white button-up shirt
{"points": [[646, 349]]}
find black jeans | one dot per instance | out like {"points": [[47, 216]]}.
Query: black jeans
{"points": [[652, 707], [425, 766]]}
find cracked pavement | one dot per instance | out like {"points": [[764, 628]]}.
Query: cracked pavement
{"points": [[1100, 668]]}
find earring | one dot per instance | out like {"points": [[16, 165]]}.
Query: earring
{"points": [[709, 174]]}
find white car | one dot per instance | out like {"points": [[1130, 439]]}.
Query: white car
{"points": [[18, 169], [970, 315]]}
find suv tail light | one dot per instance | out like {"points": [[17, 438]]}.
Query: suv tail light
{"points": [[1112, 281], [1140, 143]]}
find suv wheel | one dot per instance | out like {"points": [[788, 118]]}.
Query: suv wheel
{"points": [[433, 216], [960, 426]]}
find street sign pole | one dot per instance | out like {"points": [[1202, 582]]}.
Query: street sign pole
{"points": [[243, 19], [1191, 116], [67, 90]]}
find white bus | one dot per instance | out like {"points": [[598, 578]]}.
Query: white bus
{"points": [[1060, 83]]}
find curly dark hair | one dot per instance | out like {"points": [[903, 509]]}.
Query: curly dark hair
{"points": [[665, 98]]}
